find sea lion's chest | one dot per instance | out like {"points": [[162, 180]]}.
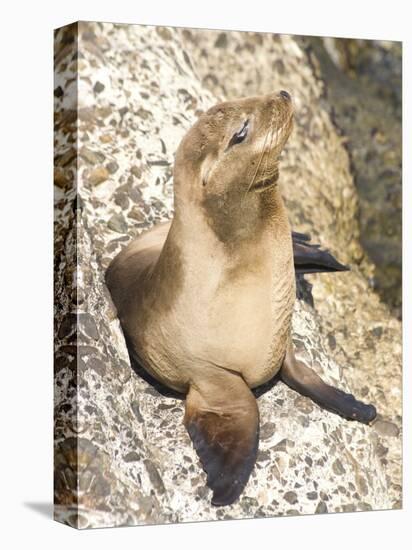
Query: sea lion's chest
{"points": [[237, 317], [250, 321]]}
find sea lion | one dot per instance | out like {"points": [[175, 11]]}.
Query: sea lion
{"points": [[206, 301]]}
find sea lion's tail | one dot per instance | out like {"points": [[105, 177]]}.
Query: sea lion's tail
{"points": [[310, 258]]}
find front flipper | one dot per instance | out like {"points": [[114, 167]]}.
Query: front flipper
{"points": [[310, 258], [306, 382], [222, 419]]}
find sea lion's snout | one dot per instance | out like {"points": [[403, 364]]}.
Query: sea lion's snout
{"points": [[286, 95]]}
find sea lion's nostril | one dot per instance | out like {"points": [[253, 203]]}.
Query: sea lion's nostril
{"points": [[285, 94]]}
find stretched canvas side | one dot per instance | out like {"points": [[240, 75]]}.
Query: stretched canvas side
{"points": [[66, 360]]}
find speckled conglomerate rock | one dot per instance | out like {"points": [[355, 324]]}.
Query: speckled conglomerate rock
{"points": [[122, 454], [364, 97]]}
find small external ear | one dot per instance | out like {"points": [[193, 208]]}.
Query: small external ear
{"points": [[207, 166]]}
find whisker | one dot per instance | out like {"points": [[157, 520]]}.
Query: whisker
{"points": [[272, 132], [260, 161], [270, 144]]}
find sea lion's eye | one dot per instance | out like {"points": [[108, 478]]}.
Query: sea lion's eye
{"points": [[239, 136]]}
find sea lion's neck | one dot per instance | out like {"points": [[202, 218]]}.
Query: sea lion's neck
{"points": [[233, 218], [218, 245]]}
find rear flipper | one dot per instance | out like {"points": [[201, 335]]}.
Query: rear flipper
{"points": [[310, 258], [303, 380], [222, 419]]}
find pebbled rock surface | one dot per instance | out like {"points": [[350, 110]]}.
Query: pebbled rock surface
{"points": [[122, 455], [364, 97]]}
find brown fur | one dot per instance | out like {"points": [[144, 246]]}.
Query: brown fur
{"points": [[223, 230], [197, 297]]}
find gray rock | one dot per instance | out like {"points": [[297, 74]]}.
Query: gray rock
{"points": [[112, 167], [98, 87], [291, 497], [132, 457], [321, 508], [386, 428], [267, 430], [92, 157], [117, 223], [338, 467], [88, 326]]}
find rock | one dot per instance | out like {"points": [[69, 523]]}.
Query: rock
{"points": [[112, 167], [88, 325], [377, 331], [106, 138], [304, 450], [97, 365], [136, 214], [136, 171], [136, 410], [321, 508], [366, 106], [282, 446], [98, 175], [165, 33], [338, 468], [331, 341], [58, 92], [132, 457], [67, 325], [267, 430], [291, 497], [93, 157], [154, 476], [221, 40], [117, 223], [61, 178], [65, 158], [98, 87], [386, 428], [122, 199]]}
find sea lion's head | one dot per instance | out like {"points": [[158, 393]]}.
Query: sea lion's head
{"points": [[230, 156]]}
